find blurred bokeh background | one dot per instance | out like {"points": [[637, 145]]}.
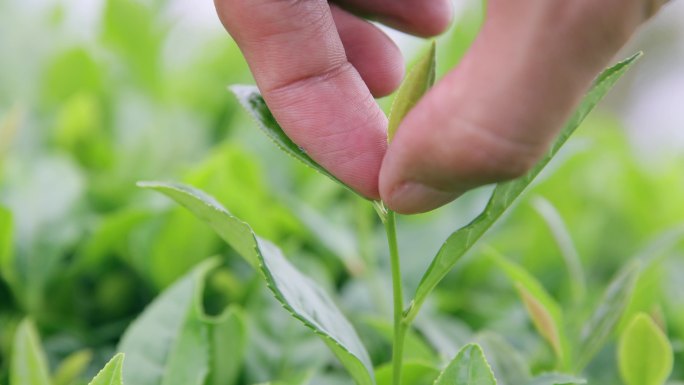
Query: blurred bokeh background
{"points": [[98, 94]]}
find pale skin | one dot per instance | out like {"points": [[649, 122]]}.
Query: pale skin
{"points": [[319, 65]]}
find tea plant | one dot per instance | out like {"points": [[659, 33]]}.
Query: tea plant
{"points": [[176, 340], [308, 303]]}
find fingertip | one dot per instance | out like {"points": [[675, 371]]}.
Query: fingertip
{"points": [[415, 197]]}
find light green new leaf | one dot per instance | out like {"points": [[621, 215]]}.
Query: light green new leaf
{"points": [[300, 295], [556, 379], [72, 367], [253, 102], [644, 353], [6, 258], [468, 368], [415, 85], [29, 364], [463, 239], [603, 322], [168, 343], [544, 311], [112, 373]]}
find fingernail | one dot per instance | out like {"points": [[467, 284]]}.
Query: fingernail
{"points": [[414, 197]]}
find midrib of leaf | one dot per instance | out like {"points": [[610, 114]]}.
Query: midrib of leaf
{"points": [[505, 193]]}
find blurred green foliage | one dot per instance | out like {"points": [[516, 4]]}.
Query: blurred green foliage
{"points": [[83, 251]]}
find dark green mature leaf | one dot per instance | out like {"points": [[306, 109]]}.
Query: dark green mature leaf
{"points": [[644, 353], [29, 364], [603, 322], [556, 379], [168, 343], [415, 85], [468, 368], [505, 193], [112, 373], [545, 312], [253, 102], [301, 296]]}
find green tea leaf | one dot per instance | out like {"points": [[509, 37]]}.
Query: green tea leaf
{"points": [[227, 346], [29, 365], [300, 295], [72, 367], [545, 313], [562, 236], [253, 102], [415, 85], [505, 193], [508, 365], [468, 368], [6, 241], [168, 343], [603, 322], [644, 353], [556, 379], [112, 373]]}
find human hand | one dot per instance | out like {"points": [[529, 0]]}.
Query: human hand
{"points": [[490, 119]]}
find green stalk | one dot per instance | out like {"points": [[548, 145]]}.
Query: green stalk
{"points": [[398, 298]]}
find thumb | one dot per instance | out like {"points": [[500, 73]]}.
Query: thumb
{"points": [[493, 116]]}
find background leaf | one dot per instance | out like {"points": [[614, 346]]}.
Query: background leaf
{"points": [[72, 367], [168, 343], [544, 311], [112, 373], [29, 364], [556, 379], [227, 346], [415, 85], [300, 295], [644, 353], [505, 193], [6, 241], [468, 368], [602, 323]]}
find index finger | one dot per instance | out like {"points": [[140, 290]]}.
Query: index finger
{"points": [[318, 97]]}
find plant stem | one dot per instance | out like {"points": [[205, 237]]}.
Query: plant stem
{"points": [[398, 297]]}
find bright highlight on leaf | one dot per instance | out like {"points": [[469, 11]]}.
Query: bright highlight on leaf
{"points": [[300, 295], [644, 353], [415, 85], [468, 368]]}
